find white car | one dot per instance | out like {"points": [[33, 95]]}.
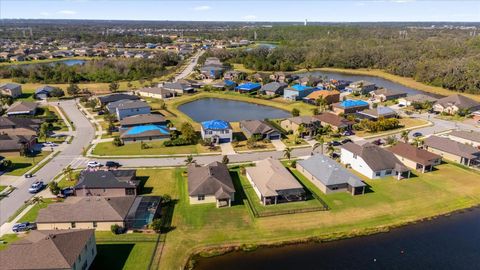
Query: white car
{"points": [[51, 144], [93, 164]]}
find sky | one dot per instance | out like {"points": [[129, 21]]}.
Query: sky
{"points": [[235, 10]]}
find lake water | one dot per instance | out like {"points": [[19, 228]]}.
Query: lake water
{"points": [[68, 62], [229, 110], [376, 80], [449, 242]]}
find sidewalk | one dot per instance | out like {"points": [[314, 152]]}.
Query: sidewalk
{"points": [[6, 228]]}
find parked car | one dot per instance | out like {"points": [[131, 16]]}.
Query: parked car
{"points": [[417, 134], [101, 113], [334, 143], [348, 133], [68, 191], [28, 175], [50, 144], [93, 164], [401, 105], [112, 164], [378, 142], [346, 141], [36, 187], [23, 227]]}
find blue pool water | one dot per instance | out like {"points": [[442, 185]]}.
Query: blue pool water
{"points": [[141, 129]]}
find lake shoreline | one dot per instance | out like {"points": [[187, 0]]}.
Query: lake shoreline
{"points": [[219, 250]]}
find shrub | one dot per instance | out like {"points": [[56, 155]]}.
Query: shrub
{"points": [[176, 142], [54, 188], [293, 164], [116, 141], [116, 229], [156, 225]]}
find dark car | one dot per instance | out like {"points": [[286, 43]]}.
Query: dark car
{"points": [[378, 142], [112, 164], [23, 227], [346, 141], [417, 134], [68, 191], [348, 133], [334, 143], [28, 175]]}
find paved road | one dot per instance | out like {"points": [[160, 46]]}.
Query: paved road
{"points": [[83, 135], [190, 67]]}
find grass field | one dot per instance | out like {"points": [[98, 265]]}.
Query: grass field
{"points": [[388, 202], [6, 239], [21, 165], [405, 123], [32, 214], [156, 148]]}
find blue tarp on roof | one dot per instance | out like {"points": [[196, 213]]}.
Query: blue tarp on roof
{"points": [[141, 129], [300, 87], [215, 124], [248, 86], [229, 83], [353, 103]]}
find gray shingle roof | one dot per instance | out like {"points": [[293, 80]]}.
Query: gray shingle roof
{"points": [[467, 135], [452, 147], [209, 180], [257, 127], [459, 101], [107, 179], [22, 106], [273, 86], [329, 172], [132, 104], [377, 158], [116, 97], [142, 119], [48, 249]]}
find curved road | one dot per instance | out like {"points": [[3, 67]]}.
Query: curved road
{"points": [[83, 135]]}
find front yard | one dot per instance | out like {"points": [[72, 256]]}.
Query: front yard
{"points": [[405, 124], [155, 148], [22, 164]]}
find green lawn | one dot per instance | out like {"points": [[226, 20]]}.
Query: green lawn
{"points": [[21, 164], [2, 188], [156, 148], [123, 255], [290, 141], [32, 214], [64, 182], [388, 202], [7, 239], [157, 182]]}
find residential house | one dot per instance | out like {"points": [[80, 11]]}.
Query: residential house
{"points": [[179, 88], [273, 88], [273, 183], [329, 176], [13, 90], [18, 134], [373, 161], [454, 103], [143, 119], [384, 94], [259, 129], [218, 131], [467, 137], [350, 106], [22, 108], [233, 75], [126, 108], [212, 68], [105, 100], [248, 87], [297, 92], [51, 249], [418, 98], [99, 213], [377, 113], [453, 150], [329, 96], [337, 123], [155, 92], [43, 92], [309, 81], [111, 183], [146, 132], [210, 184], [282, 77], [304, 126], [415, 158], [361, 87]]}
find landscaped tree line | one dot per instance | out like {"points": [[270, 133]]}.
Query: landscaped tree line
{"points": [[446, 58], [99, 70]]}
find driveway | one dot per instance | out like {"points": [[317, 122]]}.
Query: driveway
{"points": [[279, 145], [227, 149]]}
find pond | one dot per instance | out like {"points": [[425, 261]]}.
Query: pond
{"points": [[68, 62], [449, 242], [380, 82], [229, 110]]}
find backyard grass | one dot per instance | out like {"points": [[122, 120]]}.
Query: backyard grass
{"points": [[157, 182], [32, 214], [21, 164], [156, 148], [405, 123], [388, 202]]}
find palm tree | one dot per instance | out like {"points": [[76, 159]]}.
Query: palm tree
{"points": [[319, 143], [330, 149], [68, 172], [189, 160], [287, 152], [300, 131], [417, 141], [404, 135], [36, 200]]}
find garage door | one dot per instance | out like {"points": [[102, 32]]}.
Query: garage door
{"points": [[224, 140], [274, 137]]}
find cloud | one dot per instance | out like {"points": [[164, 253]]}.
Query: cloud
{"points": [[249, 17], [202, 8], [67, 12], [44, 13]]}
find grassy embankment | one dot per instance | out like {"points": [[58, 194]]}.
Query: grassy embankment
{"points": [[388, 203]]}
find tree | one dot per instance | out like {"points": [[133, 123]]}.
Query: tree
{"points": [[188, 132], [68, 171], [113, 87], [225, 160], [320, 142], [116, 229], [189, 160], [300, 130], [404, 135], [330, 149], [417, 141], [57, 92], [287, 153], [117, 141], [156, 225], [73, 89], [315, 111], [44, 131], [391, 140], [54, 188], [252, 142], [295, 112], [36, 200]]}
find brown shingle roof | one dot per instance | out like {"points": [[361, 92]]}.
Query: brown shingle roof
{"points": [[212, 179], [257, 127], [413, 153], [87, 209], [56, 249], [459, 101], [452, 147], [22, 106], [467, 135], [334, 120]]}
